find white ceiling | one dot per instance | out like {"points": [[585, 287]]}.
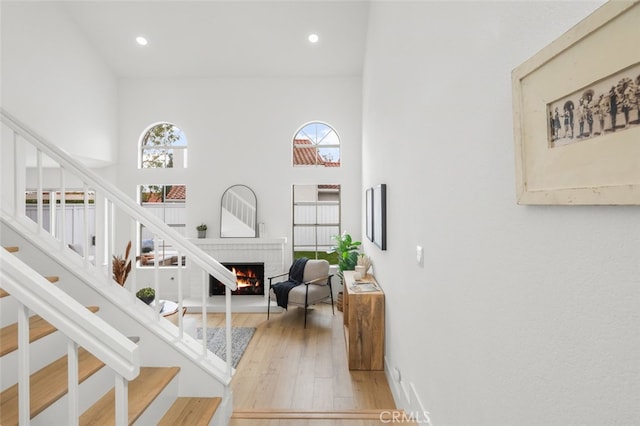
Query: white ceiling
{"points": [[196, 39]]}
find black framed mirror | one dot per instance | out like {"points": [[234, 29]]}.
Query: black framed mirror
{"points": [[238, 212]]}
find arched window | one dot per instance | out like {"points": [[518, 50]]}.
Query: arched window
{"points": [[316, 144], [163, 145]]}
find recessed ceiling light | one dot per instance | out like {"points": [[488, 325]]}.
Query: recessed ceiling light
{"points": [[313, 38], [141, 41]]}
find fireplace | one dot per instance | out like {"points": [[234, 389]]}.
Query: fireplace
{"points": [[249, 277]]}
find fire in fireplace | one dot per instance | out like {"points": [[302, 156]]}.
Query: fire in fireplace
{"points": [[249, 277]]}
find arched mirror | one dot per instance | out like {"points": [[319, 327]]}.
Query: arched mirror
{"points": [[238, 212]]}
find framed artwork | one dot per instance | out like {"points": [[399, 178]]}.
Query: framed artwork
{"points": [[577, 113], [369, 213], [380, 216]]}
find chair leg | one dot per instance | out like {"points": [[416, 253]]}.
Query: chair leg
{"points": [[306, 299], [331, 293], [268, 300]]}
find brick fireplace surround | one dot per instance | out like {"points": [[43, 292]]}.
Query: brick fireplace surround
{"points": [[270, 251]]}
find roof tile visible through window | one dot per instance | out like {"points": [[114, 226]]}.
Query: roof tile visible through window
{"points": [[303, 156], [177, 192]]}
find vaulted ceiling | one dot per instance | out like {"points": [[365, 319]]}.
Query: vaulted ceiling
{"points": [[200, 39]]}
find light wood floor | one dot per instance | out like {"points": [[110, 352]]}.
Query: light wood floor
{"points": [[302, 374]]}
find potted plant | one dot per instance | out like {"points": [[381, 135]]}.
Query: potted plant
{"points": [[347, 251], [202, 230], [146, 294]]}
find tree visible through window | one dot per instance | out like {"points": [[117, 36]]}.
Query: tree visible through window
{"points": [[163, 146], [316, 218], [316, 144]]}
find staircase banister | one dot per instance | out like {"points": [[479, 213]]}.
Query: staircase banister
{"points": [[70, 317], [125, 203]]}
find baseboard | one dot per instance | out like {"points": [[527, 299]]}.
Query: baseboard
{"points": [[405, 395]]}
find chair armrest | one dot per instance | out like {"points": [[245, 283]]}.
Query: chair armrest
{"points": [[317, 280], [276, 276]]}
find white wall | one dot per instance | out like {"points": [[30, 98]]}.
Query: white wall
{"points": [[520, 315], [240, 131], [53, 81]]}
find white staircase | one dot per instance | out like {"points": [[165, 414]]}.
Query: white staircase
{"points": [[53, 342]]}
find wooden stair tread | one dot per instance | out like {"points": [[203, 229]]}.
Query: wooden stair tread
{"points": [[47, 385], [190, 412], [38, 328], [3, 293], [142, 391], [12, 249]]}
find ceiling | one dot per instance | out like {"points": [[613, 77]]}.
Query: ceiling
{"points": [[199, 39]]}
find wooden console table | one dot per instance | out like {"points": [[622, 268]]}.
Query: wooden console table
{"points": [[363, 324]]}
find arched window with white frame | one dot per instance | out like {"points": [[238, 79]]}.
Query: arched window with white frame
{"points": [[316, 144], [163, 145]]}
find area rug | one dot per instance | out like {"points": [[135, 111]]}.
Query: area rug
{"points": [[217, 341]]}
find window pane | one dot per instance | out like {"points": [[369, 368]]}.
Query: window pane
{"points": [[304, 237], [304, 214], [305, 156], [168, 203], [163, 146], [324, 234], [316, 219], [330, 157], [316, 144], [328, 214]]}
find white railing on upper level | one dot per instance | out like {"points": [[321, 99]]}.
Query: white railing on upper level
{"points": [[117, 218], [82, 328]]}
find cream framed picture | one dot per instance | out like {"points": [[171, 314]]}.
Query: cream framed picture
{"points": [[577, 113]]}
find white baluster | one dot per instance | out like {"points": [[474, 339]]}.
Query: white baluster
{"points": [[122, 401], [72, 395], [110, 236], [156, 274], [39, 197], [85, 227], [63, 208], [180, 296], [52, 212], [205, 288], [24, 405], [227, 297], [18, 178]]}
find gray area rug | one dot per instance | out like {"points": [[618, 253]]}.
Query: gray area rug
{"points": [[217, 342]]}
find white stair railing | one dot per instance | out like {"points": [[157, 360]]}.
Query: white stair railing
{"points": [[82, 328], [35, 159]]}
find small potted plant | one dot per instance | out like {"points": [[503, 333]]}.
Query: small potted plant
{"points": [[363, 265], [146, 294], [202, 230]]}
